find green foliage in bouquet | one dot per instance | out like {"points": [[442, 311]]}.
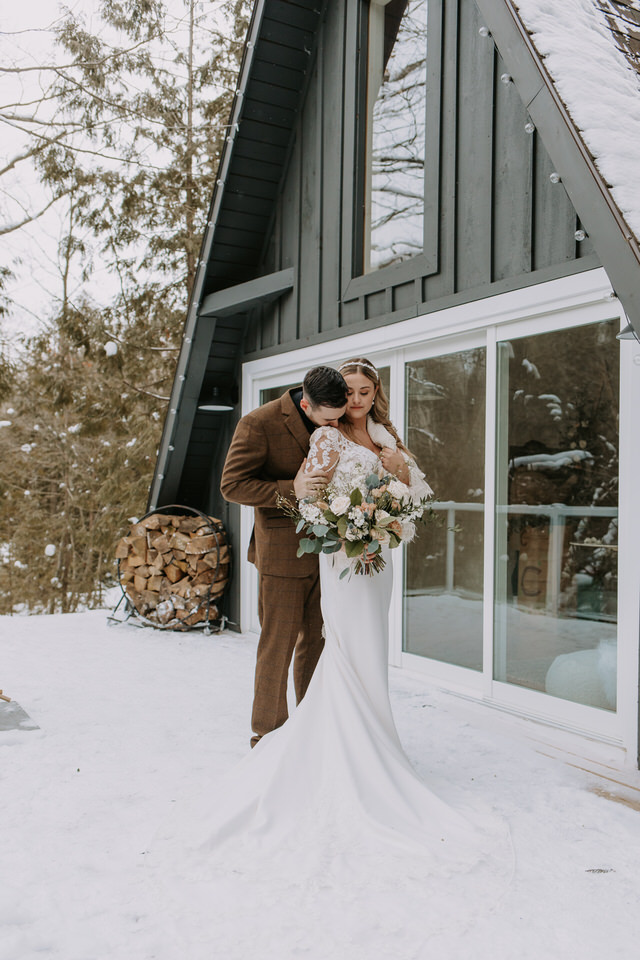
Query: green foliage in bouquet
{"points": [[376, 512]]}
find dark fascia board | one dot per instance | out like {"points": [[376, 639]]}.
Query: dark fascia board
{"points": [[612, 238], [238, 298], [160, 485], [191, 370]]}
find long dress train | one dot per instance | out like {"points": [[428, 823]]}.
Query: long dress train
{"points": [[331, 793]]}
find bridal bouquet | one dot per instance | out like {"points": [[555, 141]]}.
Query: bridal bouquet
{"points": [[359, 518]]}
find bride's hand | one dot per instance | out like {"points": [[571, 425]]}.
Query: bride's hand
{"points": [[394, 462], [311, 484]]}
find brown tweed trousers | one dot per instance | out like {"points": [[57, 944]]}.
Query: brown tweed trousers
{"points": [[266, 451]]}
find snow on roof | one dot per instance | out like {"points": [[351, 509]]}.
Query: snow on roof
{"points": [[591, 51]]}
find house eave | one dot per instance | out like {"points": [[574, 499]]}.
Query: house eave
{"points": [[610, 234]]}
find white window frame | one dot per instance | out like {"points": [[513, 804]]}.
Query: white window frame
{"points": [[559, 304]]}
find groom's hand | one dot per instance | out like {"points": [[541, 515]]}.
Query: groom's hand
{"points": [[310, 484]]}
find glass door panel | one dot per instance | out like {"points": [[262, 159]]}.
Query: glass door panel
{"points": [[556, 513], [274, 393], [445, 416]]}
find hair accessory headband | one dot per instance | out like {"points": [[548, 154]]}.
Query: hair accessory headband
{"points": [[359, 363]]}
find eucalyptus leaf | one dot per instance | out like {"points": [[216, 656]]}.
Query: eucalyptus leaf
{"points": [[354, 548], [332, 547]]}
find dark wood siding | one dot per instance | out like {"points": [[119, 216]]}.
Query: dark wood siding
{"points": [[501, 222]]}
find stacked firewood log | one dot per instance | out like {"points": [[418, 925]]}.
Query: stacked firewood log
{"points": [[172, 568]]}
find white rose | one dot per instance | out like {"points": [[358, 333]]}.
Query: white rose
{"points": [[382, 515], [397, 489], [340, 505]]}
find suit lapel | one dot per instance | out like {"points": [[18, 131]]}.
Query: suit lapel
{"points": [[293, 421]]}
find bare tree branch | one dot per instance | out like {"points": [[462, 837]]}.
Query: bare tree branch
{"points": [[147, 393], [31, 153], [10, 228], [82, 63]]}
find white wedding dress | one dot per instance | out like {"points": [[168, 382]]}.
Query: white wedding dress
{"points": [[332, 789]]}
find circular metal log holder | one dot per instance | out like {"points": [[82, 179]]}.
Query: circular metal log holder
{"points": [[208, 625]]}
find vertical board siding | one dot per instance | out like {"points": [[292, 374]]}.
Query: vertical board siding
{"points": [[310, 213], [553, 215], [289, 218], [499, 215], [474, 222], [512, 182], [331, 182]]}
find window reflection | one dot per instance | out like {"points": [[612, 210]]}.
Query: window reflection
{"points": [[274, 393], [396, 107], [557, 513], [444, 565]]}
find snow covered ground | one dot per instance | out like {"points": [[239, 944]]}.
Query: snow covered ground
{"points": [[129, 719]]}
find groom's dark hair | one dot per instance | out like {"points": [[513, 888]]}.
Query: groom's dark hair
{"points": [[324, 386]]}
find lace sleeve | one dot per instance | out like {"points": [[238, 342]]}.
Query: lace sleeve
{"points": [[324, 450], [418, 486]]}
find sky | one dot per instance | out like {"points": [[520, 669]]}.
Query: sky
{"points": [[32, 252], [26, 38]]}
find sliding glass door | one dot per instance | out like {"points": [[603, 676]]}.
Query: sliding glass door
{"points": [[546, 613], [556, 550], [445, 424]]}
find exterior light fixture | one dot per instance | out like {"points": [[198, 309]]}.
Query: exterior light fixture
{"points": [[219, 400]]}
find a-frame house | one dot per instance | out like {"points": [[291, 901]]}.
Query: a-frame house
{"points": [[448, 187]]}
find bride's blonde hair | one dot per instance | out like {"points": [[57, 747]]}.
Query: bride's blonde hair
{"points": [[380, 410]]}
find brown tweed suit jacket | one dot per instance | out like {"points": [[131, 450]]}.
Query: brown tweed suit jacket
{"points": [[268, 446]]}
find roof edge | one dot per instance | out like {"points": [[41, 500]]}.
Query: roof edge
{"points": [[568, 151]]}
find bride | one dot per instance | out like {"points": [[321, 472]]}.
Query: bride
{"points": [[336, 768], [324, 834]]}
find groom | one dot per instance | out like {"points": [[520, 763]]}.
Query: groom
{"points": [[267, 456]]}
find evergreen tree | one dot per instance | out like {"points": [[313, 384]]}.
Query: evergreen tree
{"points": [[144, 104]]}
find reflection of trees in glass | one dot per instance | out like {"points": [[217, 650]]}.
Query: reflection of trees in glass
{"points": [[563, 449], [397, 100], [446, 409], [445, 417]]}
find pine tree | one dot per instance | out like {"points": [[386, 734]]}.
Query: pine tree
{"points": [[82, 421]]}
